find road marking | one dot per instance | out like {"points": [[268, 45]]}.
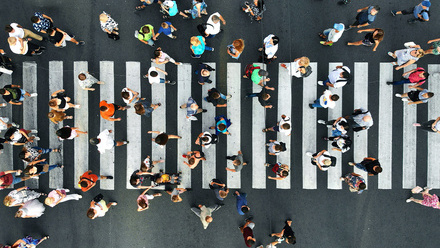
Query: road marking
{"points": [[433, 138], [7, 157], [233, 113], [259, 149], [209, 166], [158, 123]]}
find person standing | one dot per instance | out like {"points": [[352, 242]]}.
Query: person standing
{"points": [[205, 213], [105, 142], [162, 138], [284, 126], [327, 100], [220, 189], [57, 196], [28, 241], [337, 78], [98, 207], [30, 152], [256, 74], [362, 119], [20, 196], [142, 200], [417, 96], [416, 78], [214, 96], [255, 9], [206, 139], [248, 234], [70, 133], [128, 95], [37, 168], [332, 35], [19, 137], [198, 8], [146, 34], [221, 125], [242, 206], [365, 16], [286, 234], [299, 68], [162, 58], [406, 57], [192, 109], [175, 194], [236, 48], [270, 47], [109, 25], [374, 37], [355, 182], [144, 107], [60, 102], [89, 180], [429, 126], [370, 165], [167, 29], [213, 26], [30, 209], [340, 143], [108, 110], [41, 22], [203, 73], [323, 160], [86, 81], [237, 162], [193, 157], [16, 30], [428, 199], [420, 12], [276, 147], [339, 126]]}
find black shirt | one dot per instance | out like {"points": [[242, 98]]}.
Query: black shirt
{"points": [[369, 165], [60, 96], [199, 72], [288, 232], [15, 94], [261, 100], [56, 38], [135, 177], [211, 99], [369, 37]]}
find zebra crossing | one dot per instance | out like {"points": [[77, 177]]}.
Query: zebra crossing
{"points": [[311, 91]]}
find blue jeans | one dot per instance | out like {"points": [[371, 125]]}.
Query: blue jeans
{"points": [[326, 81], [210, 36], [16, 179], [327, 31], [403, 81], [361, 167], [253, 95], [162, 80], [51, 167], [221, 96], [316, 104], [22, 95], [43, 150]]}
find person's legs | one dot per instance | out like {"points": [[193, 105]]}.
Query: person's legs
{"points": [[121, 143], [355, 43], [252, 95], [196, 211], [208, 48], [28, 33], [427, 126], [71, 197], [327, 31], [43, 150], [406, 11], [231, 157], [403, 81], [326, 82], [360, 166], [16, 179], [162, 80], [316, 104]]}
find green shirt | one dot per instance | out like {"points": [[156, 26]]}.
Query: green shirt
{"points": [[255, 77], [146, 36]]}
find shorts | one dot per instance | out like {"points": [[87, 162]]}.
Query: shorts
{"points": [[367, 42], [276, 167], [67, 38], [103, 205], [151, 2], [435, 46], [251, 225], [414, 95], [276, 128], [16, 179], [22, 95]]}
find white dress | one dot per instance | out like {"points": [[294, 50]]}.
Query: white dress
{"points": [[23, 196], [33, 208]]}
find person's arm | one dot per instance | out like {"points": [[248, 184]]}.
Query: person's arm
{"points": [[22, 188], [366, 30], [154, 132], [376, 42], [219, 184], [231, 170], [409, 62], [275, 178], [15, 103], [408, 72], [268, 106], [12, 171], [24, 134], [145, 191], [155, 36], [319, 154], [363, 25], [222, 19], [56, 92], [48, 17], [435, 123], [360, 10], [164, 72], [22, 45], [192, 50], [269, 88], [62, 196], [198, 10], [229, 52], [336, 121], [434, 40], [418, 102]]}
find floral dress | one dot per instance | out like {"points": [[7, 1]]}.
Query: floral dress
{"points": [[110, 24], [23, 196], [430, 201]]}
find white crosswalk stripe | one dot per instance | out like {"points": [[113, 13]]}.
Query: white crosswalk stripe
{"points": [[134, 71]]}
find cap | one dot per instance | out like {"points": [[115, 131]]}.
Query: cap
{"points": [[339, 26], [426, 4], [169, 4]]}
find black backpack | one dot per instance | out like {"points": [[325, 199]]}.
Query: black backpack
{"points": [[421, 12], [308, 71], [202, 27]]}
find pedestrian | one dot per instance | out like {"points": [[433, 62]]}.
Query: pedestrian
{"points": [[365, 16], [299, 68], [57, 196], [105, 142], [337, 78], [284, 126], [323, 160], [146, 34], [39, 167], [144, 107], [332, 35], [256, 74], [362, 119], [169, 8], [198, 46], [212, 26], [415, 77], [16, 30], [435, 47], [147, 2], [138, 177], [220, 189], [19, 137], [368, 164], [270, 47], [248, 234], [420, 12], [428, 199], [109, 25], [30, 209], [154, 77], [406, 57], [236, 48], [237, 161], [417, 96], [162, 58], [60, 102], [204, 213], [374, 37], [175, 194], [167, 29], [286, 234], [281, 170], [340, 143], [24, 47], [98, 207], [263, 97], [193, 157], [57, 116], [221, 125], [203, 72], [429, 126], [20, 196], [58, 37], [86, 81], [88, 180], [275, 147], [30, 153], [242, 206], [198, 8], [10, 177], [128, 95], [355, 182], [339, 126], [326, 100], [70, 133], [206, 139], [162, 138], [214, 96], [254, 9], [6, 66], [28, 241], [108, 110], [41, 22], [147, 166], [192, 109], [162, 178], [4, 125], [142, 200]]}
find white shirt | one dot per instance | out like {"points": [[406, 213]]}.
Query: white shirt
{"points": [[106, 143], [285, 131], [335, 75], [17, 47], [269, 49], [294, 69], [3, 126], [333, 36], [325, 100], [321, 159], [18, 32], [215, 28], [130, 95], [153, 80]]}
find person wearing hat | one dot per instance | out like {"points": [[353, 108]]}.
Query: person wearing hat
{"points": [[420, 12], [332, 35], [105, 142]]}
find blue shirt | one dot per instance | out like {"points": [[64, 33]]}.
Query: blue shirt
{"points": [[190, 112], [241, 200], [366, 16], [198, 50], [44, 23], [165, 31], [419, 9]]}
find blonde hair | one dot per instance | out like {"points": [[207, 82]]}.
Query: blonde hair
{"points": [[327, 162], [223, 194], [18, 214], [238, 45], [103, 17], [421, 53], [48, 201], [195, 41], [8, 201], [304, 61], [164, 25], [12, 40]]}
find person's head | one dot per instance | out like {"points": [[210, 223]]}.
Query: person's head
{"points": [[215, 18], [215, 95], [278, 147], [205, 73], [265, 96], [22, 155], [103, 17], [53, 103], [8, 28], [125, 95], [154, 74], [291, 240], [263, 73], [30, 170], [378, 34], [176, 198], [420, 53], [161, 139], [250, 241], [204, 139], [134, 181], [428, 95], [103, 108], [208, 219], [91, 213], [2, 91], [35, 19], [375, 10], [275, 40], [334, 97], [49, 200], [19, 214], [339, 27], [221, 127], [244, 209], [362, 186], [94, 141], [82, 76], [142, 204], [139, 108], [304, 61], [195, 41], [377, 169], [194, 106], [50, 31], [12, 41], [223, 193], [367, 118], [426, 4], [344, 125], [327, 162], [285, 126], [345, 74], [8, 201], [83, 184], [145, 30], [50, 115], [64, 132], [157, 52], [425, 74], [238, 45], [284, 173], [236, 162], [191, 161]]}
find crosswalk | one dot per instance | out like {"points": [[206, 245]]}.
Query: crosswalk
{"points": [[302, 171]]}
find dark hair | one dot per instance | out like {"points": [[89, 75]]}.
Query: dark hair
{"points": [[125, 95], [142, 203], [286, 126], [83, 184], [215, 95], [275, 40], [145, 29], [204, 139], [64, 132], [161, 139], [379, 35], [221, 127], [378, 169], [133, 181], [139, 108], [90, 213], [81, 75], [426, 74], [22, 156], [334, 97], [265, 96], [250, 242], [278, 147], [430, 94], [8, 28], [284, 173], [345, 125], [291, 240], [34, 19], [154, 73], [157, 53], [27, 169], [191, 161], [94, 141], [50, 30], [376, 7], [362, 186], [346, 74], [263, 73], [244, 209], [2, 91], [103, 108]]}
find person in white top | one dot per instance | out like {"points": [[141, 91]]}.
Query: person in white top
{"points": [[322, 159], [105, 142], [129, 95], [327, 100], [60, 195], [270, 47], [213, 25], [86, 81], [284, 126], [337, 78], [98, 209], [24, 47], [154, 77], [332, 35], [298, 67], [16, 30]]}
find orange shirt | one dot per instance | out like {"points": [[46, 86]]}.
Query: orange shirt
{"points": [[110, 110], [90, 178]]}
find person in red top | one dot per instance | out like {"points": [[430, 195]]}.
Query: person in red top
{"points": [[88, 180], [416, 77], [8, 178], [107, 110], [248, 233]]}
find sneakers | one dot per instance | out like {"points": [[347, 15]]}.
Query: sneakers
{"points": [[77, 106], [342, 178], [204, 110], [15, 125], [405, 99], [351, 163], [145, 76], [321, 122], [34, 94], [109, 177], [408, 200], [36, 138], [279, 240], [398, 95], [389, 83], [393, 12], [309, 154], [34, 131], [212, 50], [391, 55], [266, 164], [427, 188], [416, 125], [3, 105], [228, 96], [81, 43], [321, 83], [172, 82]]}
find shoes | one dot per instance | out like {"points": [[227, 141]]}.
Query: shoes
{"points": [[398, 95], [36, 138], [228, 96], [266, 164], [351, 163], [172, 82], [389, 83], [280, 240], [174, 37], [342, 178], [145, 76], [408, 200], [393, 12], [321, 83], [405, 99], [427, 188], [416, 125], [309, 154], [325, 138], [34, 131], [311, 106], [81, 43], [109, 177], [204, 111], [126, 142], [77, 106], [34, 94], [15, 125], [391, 55], [321, 122]]}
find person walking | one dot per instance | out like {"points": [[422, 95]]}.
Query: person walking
{"points": [[70, 133], [193, 157], [19, 137], [59, 38], [326, 100], [146, 34], [332, 35], [221, 125], [4, 125], [420, 12], [284, 126], [58, 116], [368, 164], [31, 152], [192, 109], [175, 194], [41, 22], [147, 166], [339, 126], [287, 234], [242, 206], [256, 74], [198, 46], [355, 182], [167, 29], [109, 25], [415, 77], [374, 37], [263, 97], [105, 142], [276, 147], [337, 78], [323, 160], [28, 241], [155, 78], [220, 189], [88, 180], [142, 200], [248, 232], [213, 25], [162, 138], [20, 196], [57, 196], [60, 102], [203, 72], [198, 8], [237, 161], [162, 58], [236, 48], [215, 96], [206, 139], [365, 16], [205, 213], [169, 8], [108, 110], [434, 48], [340, 143], [299, 68], [428, 199], [30, 209], [128, 95], [86, 81], [14, 95], [10, 177], [270, 47], [429, 126], [98, 207], [406, 57], [39, 167], [144, 107], [16, 30], [255, 9], [417, 96], [362, 119], [281, 171]]}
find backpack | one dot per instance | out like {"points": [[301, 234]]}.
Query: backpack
{"points": [[308, 71], [421, 13], [283, 146], [202, 28], [249, 69]]}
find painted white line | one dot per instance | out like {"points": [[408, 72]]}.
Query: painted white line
{"points": [[433, 138], [158, 122], [209, 166], [259, 148], [233, 113], [6, 158]]}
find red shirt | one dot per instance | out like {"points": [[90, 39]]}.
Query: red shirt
{"points": [[415, 78], [247, 232], [110, 110], [7, 179], [90, 179]]}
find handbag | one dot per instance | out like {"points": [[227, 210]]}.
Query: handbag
{"points": [[113, 36], [98, 198]]}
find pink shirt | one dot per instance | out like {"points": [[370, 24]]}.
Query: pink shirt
{"points": [[414, 77]]}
